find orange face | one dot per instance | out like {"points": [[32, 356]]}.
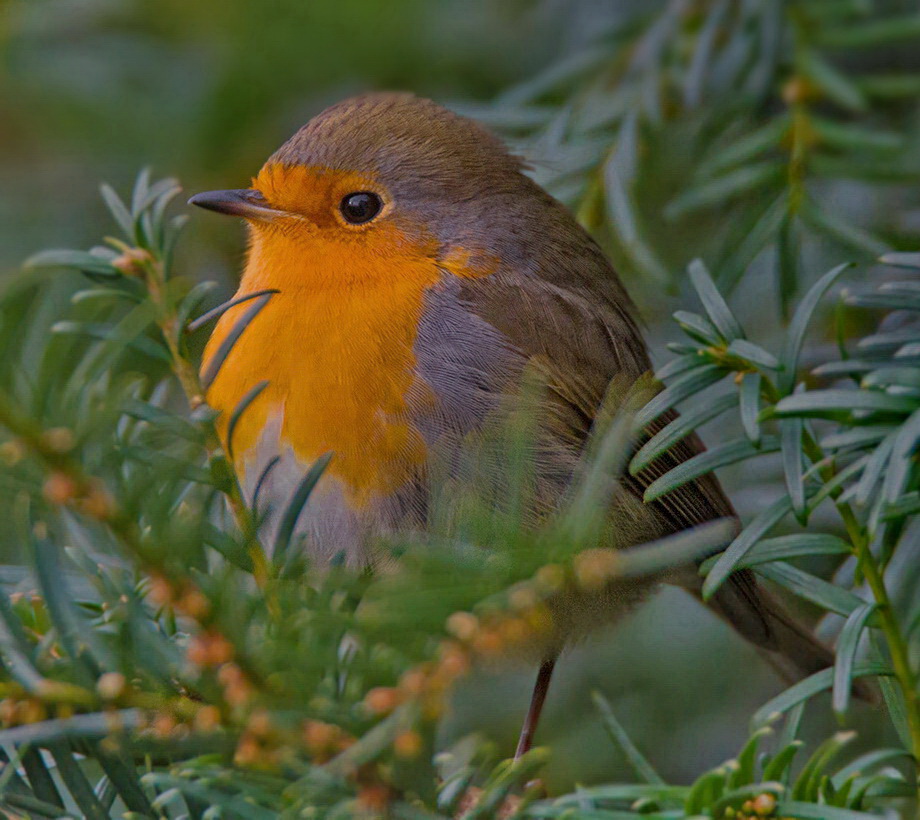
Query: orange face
{"points": [[336, 342], [316, 194], [311, 205]]}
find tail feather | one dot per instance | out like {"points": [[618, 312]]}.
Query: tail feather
{"points": [[787, 645]]}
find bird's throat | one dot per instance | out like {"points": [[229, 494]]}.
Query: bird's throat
{"points": [[336, 346]]}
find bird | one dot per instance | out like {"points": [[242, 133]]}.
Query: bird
{"points": [[416, 273]]}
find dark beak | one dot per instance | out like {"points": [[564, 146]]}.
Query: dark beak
{"points": [[244, 202]]}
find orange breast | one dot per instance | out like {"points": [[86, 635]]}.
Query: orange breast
{"points": [[336, 345]]}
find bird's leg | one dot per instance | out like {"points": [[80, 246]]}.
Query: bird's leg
{"points": [[536, 706]]}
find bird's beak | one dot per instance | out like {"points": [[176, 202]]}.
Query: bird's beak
{"points": [[245, 202]]}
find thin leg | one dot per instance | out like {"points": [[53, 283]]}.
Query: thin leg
{"points": [[536, 706]]}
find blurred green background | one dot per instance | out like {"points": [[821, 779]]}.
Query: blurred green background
{"points": [[92, 90]]}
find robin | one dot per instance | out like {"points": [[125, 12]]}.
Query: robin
{"points": [[418, 272]]}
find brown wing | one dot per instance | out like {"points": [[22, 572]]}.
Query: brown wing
{"points": [[573, 317], [582, 342]]}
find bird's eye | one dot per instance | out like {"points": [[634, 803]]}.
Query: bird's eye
{"points": [[360, 207]]}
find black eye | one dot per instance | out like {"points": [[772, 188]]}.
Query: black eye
{"points": [[360, 207]]}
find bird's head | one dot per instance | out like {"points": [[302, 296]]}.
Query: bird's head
{"points": [[383, 179]]}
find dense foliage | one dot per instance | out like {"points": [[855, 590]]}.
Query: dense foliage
{"points": [[156, 663]]}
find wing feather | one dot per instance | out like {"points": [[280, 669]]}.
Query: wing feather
{"points": [[580, 331]]}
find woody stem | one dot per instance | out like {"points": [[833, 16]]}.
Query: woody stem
{"points": [[874, 575]]}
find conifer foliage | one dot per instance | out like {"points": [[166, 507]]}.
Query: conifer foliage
{"points": [[158, 659]]}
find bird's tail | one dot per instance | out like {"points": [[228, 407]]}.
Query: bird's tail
{"points": [[788, 645]]}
